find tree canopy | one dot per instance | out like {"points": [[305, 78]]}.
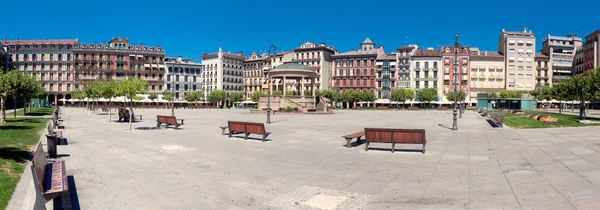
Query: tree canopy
{"points": [[216, 96]]}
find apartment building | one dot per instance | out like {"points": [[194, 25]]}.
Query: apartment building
{"points": [[403, 60], [387, 69], [588, 58], [487, 72], [318, 57], [119, 60], [463, 69], [561, 51], [223, 71], [425, 71], [48, 61], [182, 75], [544, 72], [254, 73], [355, 70], [3, 57], [518, 48]]}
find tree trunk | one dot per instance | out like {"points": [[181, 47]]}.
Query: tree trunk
{"points": [[2, 107], [14, 107], [109, 110], [24, 107], [560, 108], [130, 114]]}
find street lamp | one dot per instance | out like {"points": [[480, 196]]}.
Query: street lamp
{"points": [[173, 90], [455, 72], [269, 83]]}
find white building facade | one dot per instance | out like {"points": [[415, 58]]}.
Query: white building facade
{"points": [[183, 76], [222, 71], [518, 48]]}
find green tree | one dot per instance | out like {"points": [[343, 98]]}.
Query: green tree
{"points": [[236, 97], [130, 88], [256, 96], [108, 89], [277, 93], [492, 94], [217, 96], [8, 86], [191, 97], [308, 93], [402, 95], [427, 95], [153, 96], [78, 94], [26, 88], [367, 96], [509, 94], [460, 96], [347, 96], [167, 96], [290, 93]]}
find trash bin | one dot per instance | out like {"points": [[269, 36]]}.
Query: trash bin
{"points": [[51, 144]]}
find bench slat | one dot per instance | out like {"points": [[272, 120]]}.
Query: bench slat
{"points": [[354, 135]]}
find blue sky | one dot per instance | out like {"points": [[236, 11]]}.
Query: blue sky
{"points": [[190, 28]]}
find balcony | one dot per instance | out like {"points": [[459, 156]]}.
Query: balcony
{"points": [[558, 77], [119, 77], [88, 77], [482, 76], [500, 76], [151, 78], [492, 76]]}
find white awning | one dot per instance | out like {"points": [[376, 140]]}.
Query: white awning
{"points": [[131, 55], [140, 56], [147, 65], [161, 66]]}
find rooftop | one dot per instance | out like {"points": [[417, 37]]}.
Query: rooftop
{"points": [[405, 48], [367, 41], [428, 53], [292, 65], [46, 41], [542, 56], [386, 57]]}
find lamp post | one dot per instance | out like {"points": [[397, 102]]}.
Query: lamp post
{"points": [[272, 47], [455, 72], [173, 91]]}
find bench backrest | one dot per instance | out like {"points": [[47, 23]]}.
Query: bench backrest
{"points": [[39, 164], [170, 120], [498, 117], [235, 126], [256, 128], [395, 135], [50, 130], [161, 118]]}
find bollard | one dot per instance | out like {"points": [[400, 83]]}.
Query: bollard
{"points": [[51, 145]]}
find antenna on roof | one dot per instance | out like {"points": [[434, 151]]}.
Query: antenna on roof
{"points": [[524, 25]]}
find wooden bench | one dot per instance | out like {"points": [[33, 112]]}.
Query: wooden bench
{"points": [[168, 120], [247, 128], [497, 119], [395, 136], [49, 178], [484, 113], [356, 135], [51, 131], [223, 128], [124, 115]]}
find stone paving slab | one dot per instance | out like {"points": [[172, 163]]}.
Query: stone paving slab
{"points": [[306, 166]]}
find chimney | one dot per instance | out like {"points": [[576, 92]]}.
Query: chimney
{"points": [[102, 43], [240, 54]]}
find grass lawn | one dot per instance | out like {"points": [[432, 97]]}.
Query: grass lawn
{"points": [[16, 136], [522, 121], [34, 112]]}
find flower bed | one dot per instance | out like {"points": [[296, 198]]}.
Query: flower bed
{"points": [[543, 118]]}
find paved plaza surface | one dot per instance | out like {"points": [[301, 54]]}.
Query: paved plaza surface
{"points": [[306, 166]]}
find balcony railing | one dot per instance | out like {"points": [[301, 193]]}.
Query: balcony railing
{"points": [[88, 77], [119, 77]]}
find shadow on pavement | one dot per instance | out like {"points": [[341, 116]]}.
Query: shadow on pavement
{"points": [[16, 154], [70, 199]]}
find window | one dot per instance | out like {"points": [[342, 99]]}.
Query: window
{"points": [[529, 76], [520, 68], [529, 68], [176, 86], [417, 64], [511, 84], [435, 64], [426, 64], [511, 76], [520, 76], [511, 50], [177, 78], [435, 84], [378, 84], [426, 84], [417, 74], [511, 67], [168, 86], [417, 85]]}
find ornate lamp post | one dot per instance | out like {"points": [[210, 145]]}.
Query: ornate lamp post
{"points": [[272, 47], [173, 91], [455, 72]]}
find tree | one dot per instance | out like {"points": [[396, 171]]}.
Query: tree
{"points": [[153, 96], [217, 96], [26, 88], [108, 89], [347, 96], [368, 96], [492, 94], [167, 96], [78, 94], [460, 96], [191, 97], [130, 88], [402, 95], [560, 92], [8, 86], [236, 97], [290, 93], [256, 96], [277, 93], [308, 93], [329, 94], [427, 95], [509, 94]]}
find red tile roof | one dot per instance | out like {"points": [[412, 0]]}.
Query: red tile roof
{"points": [[541, 56], [47, 41], [428, 53], [405, 48]]}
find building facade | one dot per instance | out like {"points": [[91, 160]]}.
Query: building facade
{"points": [[50, 62], [182, 75], [544, 72], [561, 51], [463, 72], [355, 70], [487, 72], [403, 61], [589, 55], [425, 71], [387, 70], [223, 71], [319, 58], [3, 57], [119, 60], [518, 48], [253, 74]]}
